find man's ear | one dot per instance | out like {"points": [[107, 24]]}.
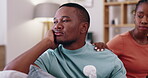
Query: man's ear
{"points": [[84, 27]]}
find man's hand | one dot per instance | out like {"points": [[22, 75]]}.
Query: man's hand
{"points": [[100, 46], [50, 36]]}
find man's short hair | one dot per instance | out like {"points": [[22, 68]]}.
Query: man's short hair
{"points": [[83, 12]]}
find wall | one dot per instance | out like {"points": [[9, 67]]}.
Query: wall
{"points": [[3, 26], [3, 22], [23, 32], [96, 13]]}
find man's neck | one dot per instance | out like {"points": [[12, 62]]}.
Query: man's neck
{"points": [[74, 46]]}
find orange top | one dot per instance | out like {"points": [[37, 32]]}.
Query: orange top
{"points": [[133, 55]]}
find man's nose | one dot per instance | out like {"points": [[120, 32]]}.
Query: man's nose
{"points": [[58, 26]]}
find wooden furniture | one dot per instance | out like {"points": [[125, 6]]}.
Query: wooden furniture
{"points": [[123, 15], [2, 57]]}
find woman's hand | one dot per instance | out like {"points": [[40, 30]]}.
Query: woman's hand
{"points": [[100, 46]]}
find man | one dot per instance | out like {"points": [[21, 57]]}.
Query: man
{"points": [[65, 54]]}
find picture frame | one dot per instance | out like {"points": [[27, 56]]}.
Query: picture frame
{"points": [[85, 3]]}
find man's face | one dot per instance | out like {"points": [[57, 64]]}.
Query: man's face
{"points": [[66, 25], [141, 18]]}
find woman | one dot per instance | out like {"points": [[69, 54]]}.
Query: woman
{"points": [[132, 46]]}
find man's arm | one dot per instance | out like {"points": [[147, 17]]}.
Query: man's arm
{"points": [[23, 62]]}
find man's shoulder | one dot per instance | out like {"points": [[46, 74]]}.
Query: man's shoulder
{"points": [[105, 52], [49, 52], [109, 53], [53, 50]]}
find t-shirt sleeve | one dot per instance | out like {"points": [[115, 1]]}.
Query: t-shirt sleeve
{"points": [[119, 70], [116, 44], [44, 61]]}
